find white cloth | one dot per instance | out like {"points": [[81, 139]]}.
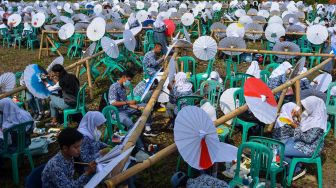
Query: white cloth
{"points": [[210, 110], [316, 114], [286, 112], [131, 20], [214, 75], [12, 114], [181, 82], [164, 96], [254, 69], [89, 123], [281, 69]]}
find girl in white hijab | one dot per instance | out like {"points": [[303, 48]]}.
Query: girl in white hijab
{"points": [[281, 69], [214, 75], [307, 136], [91, 147], [254, 69], [282, 131]]}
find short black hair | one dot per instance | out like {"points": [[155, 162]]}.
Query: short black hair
{"points": [[128, 74], [68, 137], [58, 68], [157, 43]]}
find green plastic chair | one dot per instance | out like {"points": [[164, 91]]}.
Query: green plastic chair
{"points": [[76, 45], [111, 66], [188, 64], [204, 75], [17, 37], [238, 80], [331, 104], [314, 159], [80, 106], [271, 67], [230, 69], [275, 168], [212, 90], [20, 149], [112, 123], [261, 156], [264, 76], [238, 96], [313, 60], [6, 37], [31, 40]]}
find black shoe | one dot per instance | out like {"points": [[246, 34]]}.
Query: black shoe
{"points": [[149, 133], [298, 174]]}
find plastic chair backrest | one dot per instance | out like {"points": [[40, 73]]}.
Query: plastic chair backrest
{"points": [[81, 97], [231, 66], [189, 100], [272, 144], [239, 98], [213, 89], [264, 75], [149, 37], [329, 101], [271, 66], [186, 66], [210, 65], [260, 155], [110, 111], [18, 137], [316, 152], [238, 80]]}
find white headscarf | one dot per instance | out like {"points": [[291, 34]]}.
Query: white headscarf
{"points": [[316, 114], [254, 69], [214, 75], [281, 69], [12, 114], [90, 122], [158, 22], [181, 82], [286, 112], [131, 20]]}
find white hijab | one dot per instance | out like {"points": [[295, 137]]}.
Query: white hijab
{"points": [[131, 20], [214, 75], [281, 69], [254, 69], [90, 122], [316, 114], [286, 112], [12, 114], [181, 82], [158, 22]]}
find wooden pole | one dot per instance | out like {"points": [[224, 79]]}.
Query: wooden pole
{"points": [[297, 93], [269, 128], [78, 71], [41, 45], [51, 42], [88, 71], [112, 182], [257, 32]]}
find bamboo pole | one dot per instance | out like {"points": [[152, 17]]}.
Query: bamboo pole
{"points": [[88, 71], [297, 93], [115, 180], [51, 42], [269, 128], [41, 45], [257, 32]]}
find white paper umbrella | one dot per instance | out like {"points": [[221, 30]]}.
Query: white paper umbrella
{"points": [[260, 100], [317, 34], [66, 31], [197, 141], [110, 47], [33, 81], [90, 50], [187, 19], [97, 9], [140, 5], [232, 42], [239, 13], [142, 15], [227, 102], [253, 27], [205, 48], [38, 20], [96, 29], [14, 20], [67, 8], [235, 30], [274, 31], [7, 82], [322, 82], [286, 46], [275, 20], [217, 7], [58, 61], [263, 13], [66, 19], [245, 19], [129, 40]]}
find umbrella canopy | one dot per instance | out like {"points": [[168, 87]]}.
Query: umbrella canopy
{"points": [[218, 26], [317, 34], [96, 29], [170, 25], [187, 19], [295, 29], [260, 100], [259, 20], [90, 50], [38, 20], [245, 20], [110, 47], [235, 30], [7, 82], [197, 141], [253, 27], [239, 13], [205, 48], [66, 19], [275, 20], [298, 67], [263, 13], [58, 61], [322, 81], [32, 78], [129, 40], [252, 12], [142, 15], [286, 47], [66, 31], [274, 31], [227, 102], [232, 42], [14, 20]]}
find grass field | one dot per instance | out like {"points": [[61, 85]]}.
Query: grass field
{"points": [[158, 175]]}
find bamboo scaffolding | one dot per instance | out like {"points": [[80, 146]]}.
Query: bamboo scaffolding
{"points": [[115, 180], [256, 32]]}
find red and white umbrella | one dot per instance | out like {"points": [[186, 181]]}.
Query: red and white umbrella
{"points": [[170, 25], [197, 141], [260, 100]]}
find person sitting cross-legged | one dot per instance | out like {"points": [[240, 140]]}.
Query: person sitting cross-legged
{"points": [[117, 97]]}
